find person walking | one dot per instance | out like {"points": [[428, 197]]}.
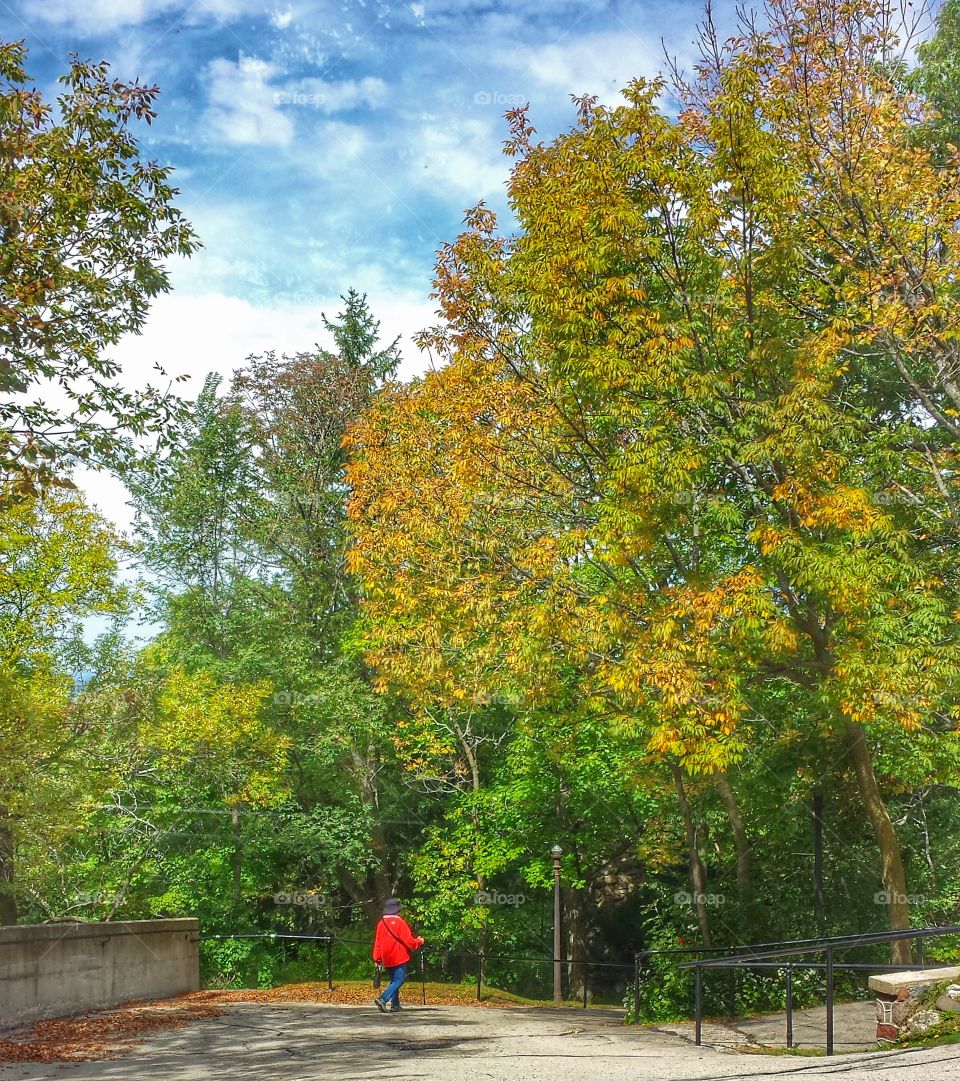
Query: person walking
{"points": [[393, 944]]}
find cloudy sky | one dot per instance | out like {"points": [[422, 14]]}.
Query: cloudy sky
{"points": [[326, 145]]}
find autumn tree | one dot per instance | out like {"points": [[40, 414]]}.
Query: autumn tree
{"points": [[695, 433], [85, 226]]}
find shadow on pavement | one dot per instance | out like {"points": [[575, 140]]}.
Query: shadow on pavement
{"points": [[287, 1041]]}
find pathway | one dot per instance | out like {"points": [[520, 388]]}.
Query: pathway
{"points": [[312, 1042]]}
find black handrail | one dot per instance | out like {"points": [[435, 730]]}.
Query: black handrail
{"points": [[764, 950], [761, 955], [480, 958]]}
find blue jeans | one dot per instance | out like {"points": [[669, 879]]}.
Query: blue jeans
{"points": [[391, 997]]}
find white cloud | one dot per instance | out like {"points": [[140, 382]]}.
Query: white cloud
{"points": [[282, 19], [243, 107], [246, 106], [345, 143], [102, 16], [599, 64], [92, 15], [335, 97], [464, 156], [195, 334]]}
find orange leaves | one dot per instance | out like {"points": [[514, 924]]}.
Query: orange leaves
{"points": [[841, 507], [653, 462], [446, 531]]}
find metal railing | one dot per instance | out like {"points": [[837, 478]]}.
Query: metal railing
{"points": [[478, 961], [771, 955], [642, 957], [753, 956]]}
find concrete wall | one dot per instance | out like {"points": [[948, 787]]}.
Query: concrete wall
{"points": [[50, 970]]}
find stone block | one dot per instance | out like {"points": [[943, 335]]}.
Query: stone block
{"points": [[898, 1001]]}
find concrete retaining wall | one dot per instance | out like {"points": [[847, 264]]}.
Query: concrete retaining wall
{"points": [[50, 970]]}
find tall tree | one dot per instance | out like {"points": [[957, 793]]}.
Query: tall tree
{"points": [[58, 566], [85, 225], [696, 431], [244, 523], [298, 410]]}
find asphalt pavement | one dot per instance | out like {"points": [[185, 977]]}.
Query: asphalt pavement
{"points": [[314, 1042]]}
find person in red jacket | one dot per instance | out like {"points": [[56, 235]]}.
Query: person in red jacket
{"points": [[392, 946]]}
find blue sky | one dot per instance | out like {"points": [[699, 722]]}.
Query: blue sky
{"points": [[323, 145]]}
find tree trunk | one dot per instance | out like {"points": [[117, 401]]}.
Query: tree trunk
{"points": [[237, 858], [697, 876], [8, 902], [741, 842], [365, 772], [576, 925], [894, 876], [819, 907], [359, 893]]}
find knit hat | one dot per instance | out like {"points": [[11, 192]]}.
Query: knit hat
{"points": [[391, 906]]}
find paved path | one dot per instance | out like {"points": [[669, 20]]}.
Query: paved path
{"points": [[854, 1029], [310, 1042]]}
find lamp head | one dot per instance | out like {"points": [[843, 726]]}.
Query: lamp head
{"points": [[556, 852]]}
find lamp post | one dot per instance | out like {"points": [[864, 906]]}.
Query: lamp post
{"points": [[556, 852]]}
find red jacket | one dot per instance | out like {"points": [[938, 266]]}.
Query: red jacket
{"points": [[393, 942]]}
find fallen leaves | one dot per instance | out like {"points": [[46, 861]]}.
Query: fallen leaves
{"points": [[100, 1034], [109, 1033]]}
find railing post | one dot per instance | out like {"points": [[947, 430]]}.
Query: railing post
{"points": [[586, 971], [732, 1004], [479, 974], [829, 1002], [789, 1005], [636, 988], [698, 1007]]}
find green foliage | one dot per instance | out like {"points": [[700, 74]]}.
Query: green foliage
{"points": [[936, 78], [86, 224], [661, 558]]}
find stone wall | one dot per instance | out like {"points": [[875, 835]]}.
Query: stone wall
{"points": [[51, 970], [900, 1009]]}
